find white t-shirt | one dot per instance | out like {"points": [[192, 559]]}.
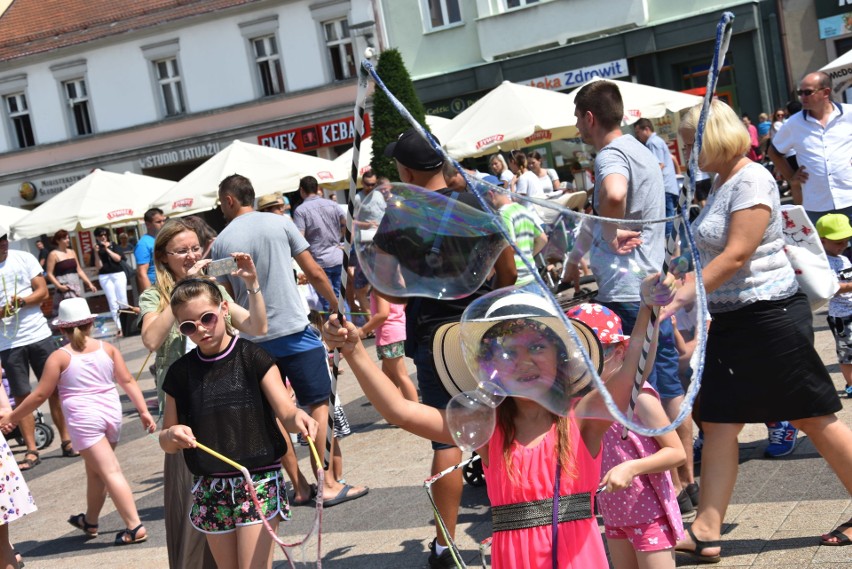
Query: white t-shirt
{"points": [[506, 177], [546, 181], [768, 274], [29, 325], [528, 185], [825, 153]]}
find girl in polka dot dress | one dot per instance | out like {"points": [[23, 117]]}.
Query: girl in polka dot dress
{"points": [[639, 506]]}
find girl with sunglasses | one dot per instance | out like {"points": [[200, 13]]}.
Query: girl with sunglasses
{"points": [[177, 255], [227, 393], [85, 372]]}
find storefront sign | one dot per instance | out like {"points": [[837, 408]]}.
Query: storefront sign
{"points": [[449, 108], [179, 155], [574, 77], [834, 26], [311, 137], [44, 188]]}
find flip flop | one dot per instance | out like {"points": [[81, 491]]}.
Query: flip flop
{"points": [[700, 546], [842, 538], [308, 500], [344, 496]]}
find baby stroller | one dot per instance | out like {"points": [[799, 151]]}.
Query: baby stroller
{"points": [[43, 432]]}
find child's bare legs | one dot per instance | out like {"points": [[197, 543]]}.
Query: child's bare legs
{"points": [[447, 491], [290, 464], [95, 494], [58, 416], [685, 472], [100, 458], [661, 559], [395, 369], [622, 554], [7, 555], [250, 547]]}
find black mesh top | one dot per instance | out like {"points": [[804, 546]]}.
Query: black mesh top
{"points": [[221, 401]]}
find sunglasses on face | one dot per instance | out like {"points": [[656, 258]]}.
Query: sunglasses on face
{"points": [[208, 320], [807, 92]]}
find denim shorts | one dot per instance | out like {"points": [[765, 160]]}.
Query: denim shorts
{"points": [[18, 361], [222, 504], [664, 377]]}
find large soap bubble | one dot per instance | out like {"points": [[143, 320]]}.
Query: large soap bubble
{"points": [[516, 344], [426, 243]]}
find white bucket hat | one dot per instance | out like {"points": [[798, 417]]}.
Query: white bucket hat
{"points": [[73, 312]]}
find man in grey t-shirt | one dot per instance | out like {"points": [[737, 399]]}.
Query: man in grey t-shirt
{"points": [[628, 185], [273, 241]]}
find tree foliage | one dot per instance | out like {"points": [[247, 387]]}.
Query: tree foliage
{"points": [[388, 123]]}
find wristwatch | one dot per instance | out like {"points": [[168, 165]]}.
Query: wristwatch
{"points": [[254, 290]]}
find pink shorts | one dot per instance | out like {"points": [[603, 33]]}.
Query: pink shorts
{"points": [[652, 536], [90, 419]]}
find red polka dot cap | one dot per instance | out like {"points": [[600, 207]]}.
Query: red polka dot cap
{"points": [[605, 322]]}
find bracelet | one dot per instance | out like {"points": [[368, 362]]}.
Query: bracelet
{"points": [[254, 290]]}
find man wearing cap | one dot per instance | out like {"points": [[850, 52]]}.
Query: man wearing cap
{"points": [[25, 340], [821, 136], [321, 222], [419, 164]]}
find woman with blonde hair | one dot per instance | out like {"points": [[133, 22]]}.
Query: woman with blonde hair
{"points": [[755, 301], [178, 255], [500, 169]]}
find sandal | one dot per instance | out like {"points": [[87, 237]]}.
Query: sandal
{"points": [[28, 463], [837, 534], [67, 450], [700, 546], [131, 533], [79, 522]]}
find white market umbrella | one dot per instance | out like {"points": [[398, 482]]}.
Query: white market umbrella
{"points": [[840, 71], [269, 169], [101, 198], [510, 116], [10, 215], [337, 176], [644, 101]]}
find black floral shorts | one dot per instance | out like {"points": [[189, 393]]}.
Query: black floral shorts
{"points": [[221, 505]]}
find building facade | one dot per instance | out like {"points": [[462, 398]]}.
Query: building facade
{"points": [[156, 87]]}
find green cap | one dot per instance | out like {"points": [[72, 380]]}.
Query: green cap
{"points": [[834, 226]]}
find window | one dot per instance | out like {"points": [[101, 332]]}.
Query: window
{"points": [[168, 79], [519, 3], [339, 44], [19, 115], [443, 12], [268, 65], [78, 106]]}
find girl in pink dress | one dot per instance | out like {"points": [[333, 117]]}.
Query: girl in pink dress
{"points": [[85, 373], [641, 516], [533, 453], [387, 320]]}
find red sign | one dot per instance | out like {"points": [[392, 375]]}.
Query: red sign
{"points": [[539, 135], [185, 202], [489, 140], [331, 133], [86, 244], [119, 213]]}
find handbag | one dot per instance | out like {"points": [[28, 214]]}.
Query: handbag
{"points": [[805, 252]]}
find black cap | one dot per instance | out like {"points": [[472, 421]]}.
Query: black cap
{"points": [[413, 151]]}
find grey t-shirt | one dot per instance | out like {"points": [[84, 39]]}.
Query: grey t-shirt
{"points": [[619, 277], [320, 221], [272, 241]]}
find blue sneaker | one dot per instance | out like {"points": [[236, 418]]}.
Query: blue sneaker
{"points": [[849, 391], [697, 445], [782, 439]]}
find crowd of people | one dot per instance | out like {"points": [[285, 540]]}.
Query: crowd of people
{"points": [[242, 365]]}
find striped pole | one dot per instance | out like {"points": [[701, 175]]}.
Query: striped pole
{"points": [[723, 37], [360, 108]]}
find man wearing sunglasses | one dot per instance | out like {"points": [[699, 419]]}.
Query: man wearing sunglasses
{"points": [[821, 136]]}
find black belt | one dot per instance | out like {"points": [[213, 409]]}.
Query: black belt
{"points": [[525, 515]]}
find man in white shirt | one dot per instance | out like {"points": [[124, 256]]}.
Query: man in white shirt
{"points": [[821, 136], [25, 340]]}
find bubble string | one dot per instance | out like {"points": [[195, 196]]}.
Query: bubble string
{"points": [[476, 187], [358, 127], [253, 493], [427, 484], [724, 30]]}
